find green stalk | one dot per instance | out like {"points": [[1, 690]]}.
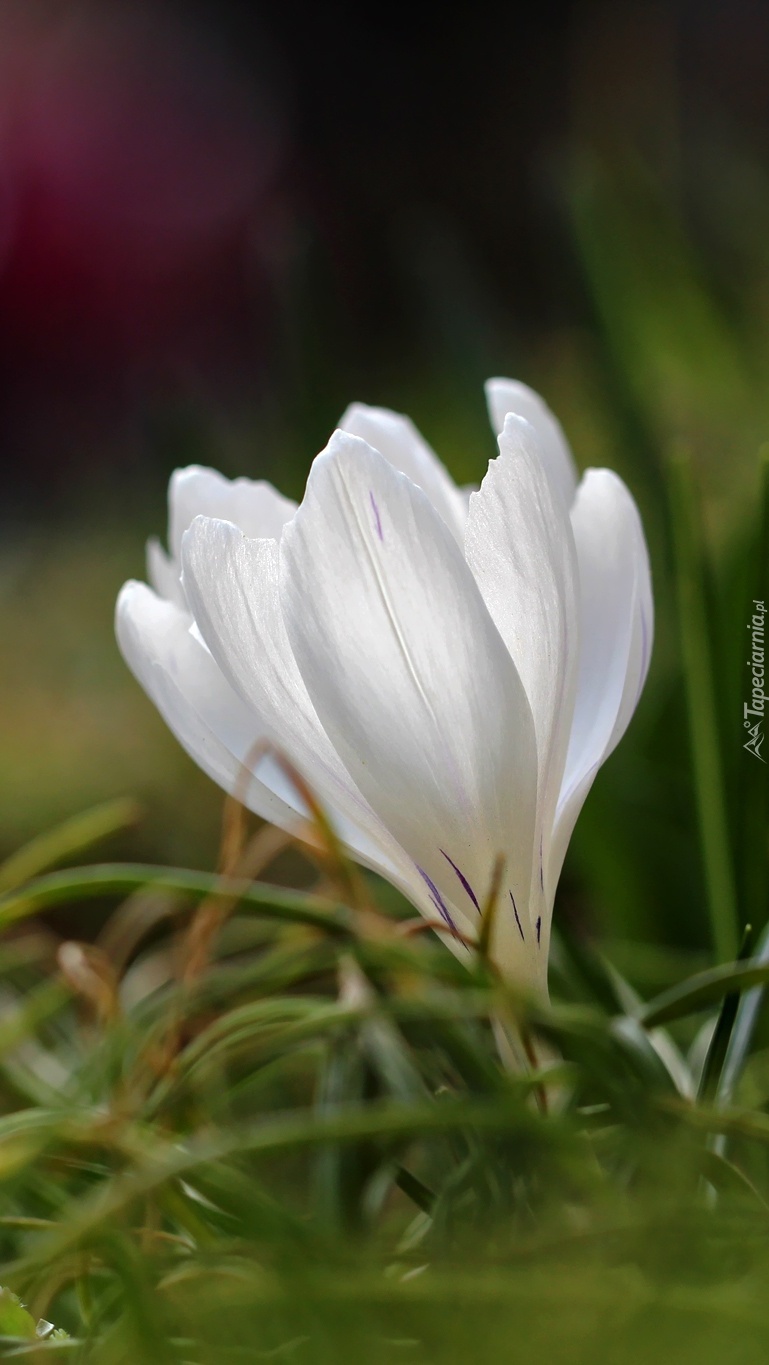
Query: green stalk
{"points": [[122, 879], [701, 702], [753, 772], [68, 840]]}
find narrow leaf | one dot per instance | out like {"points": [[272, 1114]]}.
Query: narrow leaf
{"points": [[380, 1121], [701, 991], [752, 793], [120, 879], [744, 1028], [66, 841], [719, 1043], [415, 1189], [701, 700]]}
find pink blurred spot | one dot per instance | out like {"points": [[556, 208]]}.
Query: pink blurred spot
{"points": [[135, 161]]}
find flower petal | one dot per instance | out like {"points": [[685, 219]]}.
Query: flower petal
{"points": [[616, 623], [231, 583], [396, 437], [253, 505], [504, 396], [164, 573], [198, 705], [520, 547], [409, 675]]}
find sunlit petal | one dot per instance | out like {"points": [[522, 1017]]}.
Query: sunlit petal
{"points": [[617, 625], [253, 505], [520, 547], [396, 437], [198, 705], [231, 582], [409, 676], [506, 396], [164, 573]]}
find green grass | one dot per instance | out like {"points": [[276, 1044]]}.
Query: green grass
{"points": [[308, 1147]]}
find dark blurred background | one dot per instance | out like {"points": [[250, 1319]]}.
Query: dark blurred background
{"points": [[229, 212], [221, 222]]}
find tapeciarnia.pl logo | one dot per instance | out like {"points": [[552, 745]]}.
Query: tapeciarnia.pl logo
{"points": [[753, 711]]}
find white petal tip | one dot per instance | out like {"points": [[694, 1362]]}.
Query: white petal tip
{"points": [[342, 445], [128, 595]]}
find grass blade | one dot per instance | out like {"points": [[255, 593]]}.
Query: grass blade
{"points": [[381, 1121], [752, 795], [68, 840], [702, 990], [701, 702], [722, 1034], [744, 1028], [120, 879]]}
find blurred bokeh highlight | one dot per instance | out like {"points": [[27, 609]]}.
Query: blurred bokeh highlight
{"points": [[220, 223]]}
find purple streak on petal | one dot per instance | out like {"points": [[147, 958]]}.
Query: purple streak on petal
{"points": [[518, 922], [377, 518], [541, 869], [463, 880], [437, 900], [539, 928]]}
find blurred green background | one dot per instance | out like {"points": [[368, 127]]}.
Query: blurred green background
{"points": [[220, 224]]}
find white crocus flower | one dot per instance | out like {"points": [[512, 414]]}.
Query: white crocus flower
{"points": [[447, 671]]}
